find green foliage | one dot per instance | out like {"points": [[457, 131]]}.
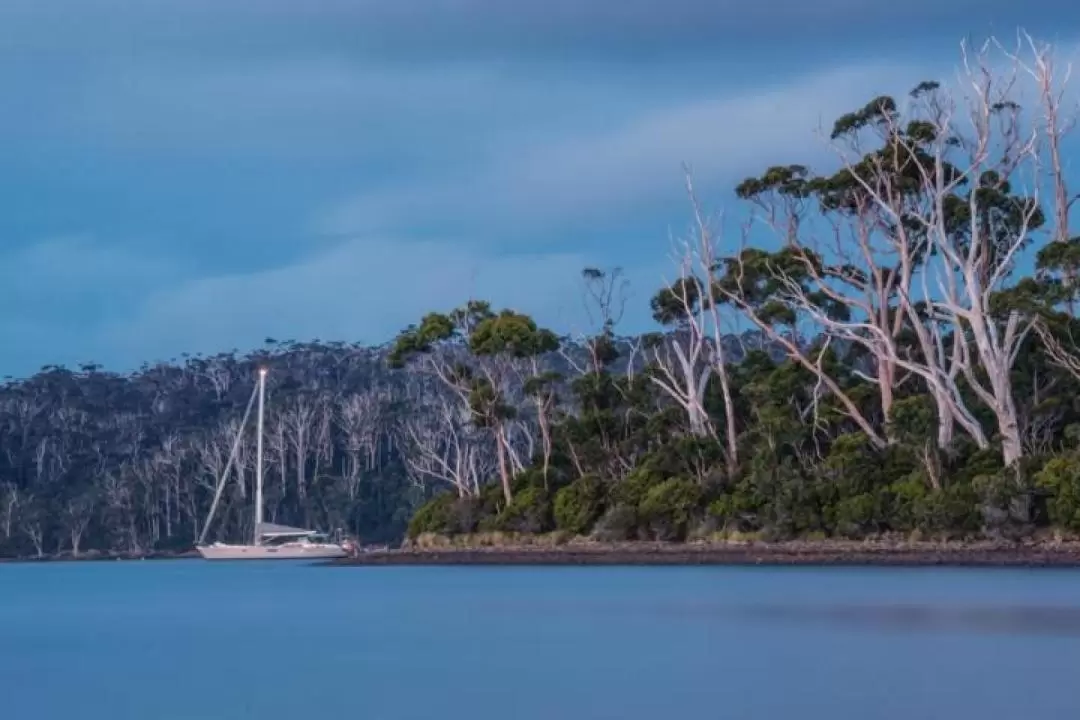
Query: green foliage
{"points": [[579, 504], [433, 517], [668, 507], [511, 334], [618, 524], [912, 420], [858, 515], [632, 490], [1060, 478], [952, 511], [530, 512], [445, 514]]}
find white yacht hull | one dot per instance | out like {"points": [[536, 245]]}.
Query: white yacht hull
{"points": [[285, 551]]}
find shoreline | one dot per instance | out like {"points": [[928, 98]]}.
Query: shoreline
{"points": [[784, 554], [808, 554], [93, 557]]}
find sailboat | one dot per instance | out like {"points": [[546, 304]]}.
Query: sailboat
{"points": [[270, 541]]}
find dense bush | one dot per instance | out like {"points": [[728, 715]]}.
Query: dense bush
{"points": [[579, 504], [1060, 477], [645, 506], [446, 514], [529, 512], [668, 508]]}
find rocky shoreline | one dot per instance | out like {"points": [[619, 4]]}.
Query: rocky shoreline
{"points": [[778, 554]]}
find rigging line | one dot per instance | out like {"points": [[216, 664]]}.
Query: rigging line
{"points": [[228, 466]]}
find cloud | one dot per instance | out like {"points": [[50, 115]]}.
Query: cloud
{"points": [[305, 110], [635, 162], [612, 174], [52, 292], [74, 264], [357, 290], [46, 281]]}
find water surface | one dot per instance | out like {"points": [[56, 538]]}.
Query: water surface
{"points": [[190, 640]]}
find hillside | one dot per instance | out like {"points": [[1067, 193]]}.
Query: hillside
{"points": [[127, 463]]}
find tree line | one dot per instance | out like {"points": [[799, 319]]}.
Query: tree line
{"points": [[93, 460], [885, 347]]}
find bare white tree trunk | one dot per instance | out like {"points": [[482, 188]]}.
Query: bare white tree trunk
{"points": [[968, 278], [707, 256], [77, 515], [682, 373], [32, 524], [299, 420], [211, 453], [9, 505], [442, 445], [277, 450], [358, 419]]}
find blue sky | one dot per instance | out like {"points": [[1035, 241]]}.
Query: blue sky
{"points": [[196, 175]]}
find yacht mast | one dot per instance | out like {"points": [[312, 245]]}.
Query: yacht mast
{"points": [[259, 457]]}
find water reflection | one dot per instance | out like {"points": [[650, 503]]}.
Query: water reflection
{"points": [[1032, 619]]}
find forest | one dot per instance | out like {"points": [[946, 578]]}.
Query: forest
{"points": [[885, 348]]}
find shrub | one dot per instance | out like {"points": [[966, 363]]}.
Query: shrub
{"points": [[529, 513], [445, 514], [632, 489], [431, 518], [579, 504], [1061, 479], [668, 507], [528, 478], [1004, 503], [736, 510], [856, 516], [906, 497], [618, 524], [951, 510]]}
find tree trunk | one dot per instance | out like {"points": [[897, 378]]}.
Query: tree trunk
{"points": [[730, 429], [886, 375], [504, 471], [545, 435], [946, 429], [37, 537], [1012, 448], [930, 463]]}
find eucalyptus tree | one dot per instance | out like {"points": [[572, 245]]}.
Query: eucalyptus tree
{"points": [[470, 350], [907, 252], [695, 354]]}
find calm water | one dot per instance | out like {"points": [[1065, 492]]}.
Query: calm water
{"points": [[188, 640]]}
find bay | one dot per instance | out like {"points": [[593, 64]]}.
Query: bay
{"points": [[190, 640]]}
